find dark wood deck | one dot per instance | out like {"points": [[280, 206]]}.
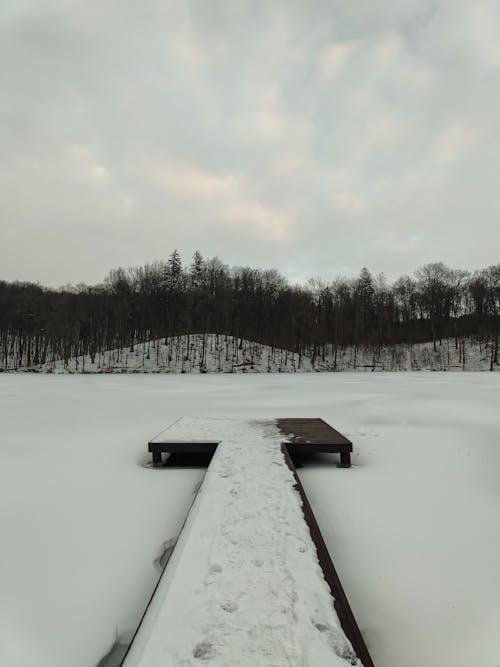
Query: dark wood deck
{"points": [[313, 436], [186, 448]]}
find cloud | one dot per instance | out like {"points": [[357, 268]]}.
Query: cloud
{"points": [[250, 216], [349, 202], [229, 204], [332, 59], [310, 136], [190, 181], [100, 174], [456, 139]]}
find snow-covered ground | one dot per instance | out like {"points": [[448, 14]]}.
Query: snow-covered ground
{"points": [[215, 353], [413, 527], [244, 585]]}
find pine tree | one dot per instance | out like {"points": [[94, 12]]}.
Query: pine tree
{"points": [[197, 269], [173, 273]]}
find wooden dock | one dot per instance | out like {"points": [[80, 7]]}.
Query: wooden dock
{"points": [[314, 436], [305, 436], [300, 436]]}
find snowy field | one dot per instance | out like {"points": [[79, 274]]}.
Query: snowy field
{"points": [[413, 527]]}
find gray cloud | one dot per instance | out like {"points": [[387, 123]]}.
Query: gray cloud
{"points": [[314, 137]]}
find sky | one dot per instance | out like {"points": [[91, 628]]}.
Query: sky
{"points": [[315, 137]]}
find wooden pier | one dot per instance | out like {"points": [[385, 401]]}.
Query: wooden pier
{"points": [[300, 436]]}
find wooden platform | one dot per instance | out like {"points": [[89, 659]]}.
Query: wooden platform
{"points": [[313, 436], [158, 446], [300, 436]]}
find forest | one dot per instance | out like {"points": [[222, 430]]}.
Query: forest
{"points": [[167, 297]]}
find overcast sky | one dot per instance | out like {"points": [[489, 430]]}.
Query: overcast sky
{"points": [[314, 137]]}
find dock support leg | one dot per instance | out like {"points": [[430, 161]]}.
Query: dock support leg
{"points": [[157, 459], [345, 460]]}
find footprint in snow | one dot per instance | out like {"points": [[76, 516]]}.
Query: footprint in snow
{"points": [[299, 543], [204, 650], [337, 641], [214, 571], [320, 627]]}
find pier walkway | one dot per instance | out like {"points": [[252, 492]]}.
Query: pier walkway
{"points": [[250, 582]]}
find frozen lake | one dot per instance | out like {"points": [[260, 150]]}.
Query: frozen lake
{"points": [[413, 527]]}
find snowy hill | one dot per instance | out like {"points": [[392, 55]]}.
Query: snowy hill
{"points": [[215, 353], [195, 353]]}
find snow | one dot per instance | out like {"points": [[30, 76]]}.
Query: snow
{"points": [[244, 586], [215, 353], [413, 527]]}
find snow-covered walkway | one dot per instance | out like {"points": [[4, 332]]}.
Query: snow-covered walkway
{"points": [[243, 586]]}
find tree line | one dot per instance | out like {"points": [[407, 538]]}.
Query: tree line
{"points": [[166, 298]]}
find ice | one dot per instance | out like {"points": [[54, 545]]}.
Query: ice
{"points": [[413, 526]]}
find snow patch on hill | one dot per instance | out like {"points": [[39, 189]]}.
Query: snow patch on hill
{"points": [[216, 353]]}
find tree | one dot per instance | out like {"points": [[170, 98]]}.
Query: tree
{"points": [[173, 271], [197, 270], [491, 278], [161, 299], [435, 286]]}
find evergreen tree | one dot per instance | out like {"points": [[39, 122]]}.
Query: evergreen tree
{"points": [[173, 272], [197, 270]]}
